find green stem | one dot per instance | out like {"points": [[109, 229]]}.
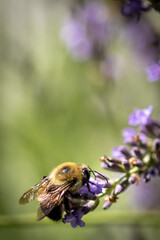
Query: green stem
{"points": [[126, 175], [96, 218]]}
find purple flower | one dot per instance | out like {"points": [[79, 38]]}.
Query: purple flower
{"points": [[134, 8], [153, 72], [96, 187], [137, 152], [143, 38], [140, 117], [120, 152], [74, 217], [111, 166], [96, 18], [116, 153], [129, 135], [73, 33], [86, 32], [104, 179]]}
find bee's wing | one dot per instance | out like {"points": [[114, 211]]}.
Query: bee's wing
{"points": [[33, 192], [53, 198]]}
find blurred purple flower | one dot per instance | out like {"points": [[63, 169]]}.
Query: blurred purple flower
{"points": [[134, 8], [147, 196], [86, 32], [73, 33], [96, 19], [153, 72], [140, 117], [145, 42]]}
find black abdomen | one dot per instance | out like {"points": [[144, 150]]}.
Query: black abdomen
{"points": [[55, 214]]}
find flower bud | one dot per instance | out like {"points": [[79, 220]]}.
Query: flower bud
{"points": [[107, 204], [121, 187]]}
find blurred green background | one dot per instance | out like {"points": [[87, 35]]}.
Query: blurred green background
{"points": [[54, 109]]}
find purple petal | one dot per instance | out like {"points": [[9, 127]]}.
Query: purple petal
{"points": [[134, 8], [153, 72], [96, 187], [74, 217], [117, 153], [140, 116], [128, 134], [73, 34]]}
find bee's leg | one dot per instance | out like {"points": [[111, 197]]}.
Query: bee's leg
{"points": [[67, 203], [89, 190], [88, 187], [83, 197]]}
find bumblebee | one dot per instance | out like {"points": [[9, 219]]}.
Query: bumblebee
{"points": [[58, 191]]}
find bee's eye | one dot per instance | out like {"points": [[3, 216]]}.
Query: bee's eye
{"points": [[86, 174]]}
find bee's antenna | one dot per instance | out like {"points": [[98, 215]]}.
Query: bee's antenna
{"points": [[93, 171], [100, 175]]}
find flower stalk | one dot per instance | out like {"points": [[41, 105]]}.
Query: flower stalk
{"points": [[138, 158]]}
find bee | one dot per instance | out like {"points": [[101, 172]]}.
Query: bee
{"points": [[58, 191]]}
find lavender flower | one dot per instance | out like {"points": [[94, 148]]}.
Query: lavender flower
{"points": [[77, 42], [137, 152], [86, 32], [145, 41], [132, 138], [116, 153], [128, 135], [134, 8], [134, 161], [95, 187], [143, 155], [153, 72], [140, 116], [96, 18], [74, 217]]}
